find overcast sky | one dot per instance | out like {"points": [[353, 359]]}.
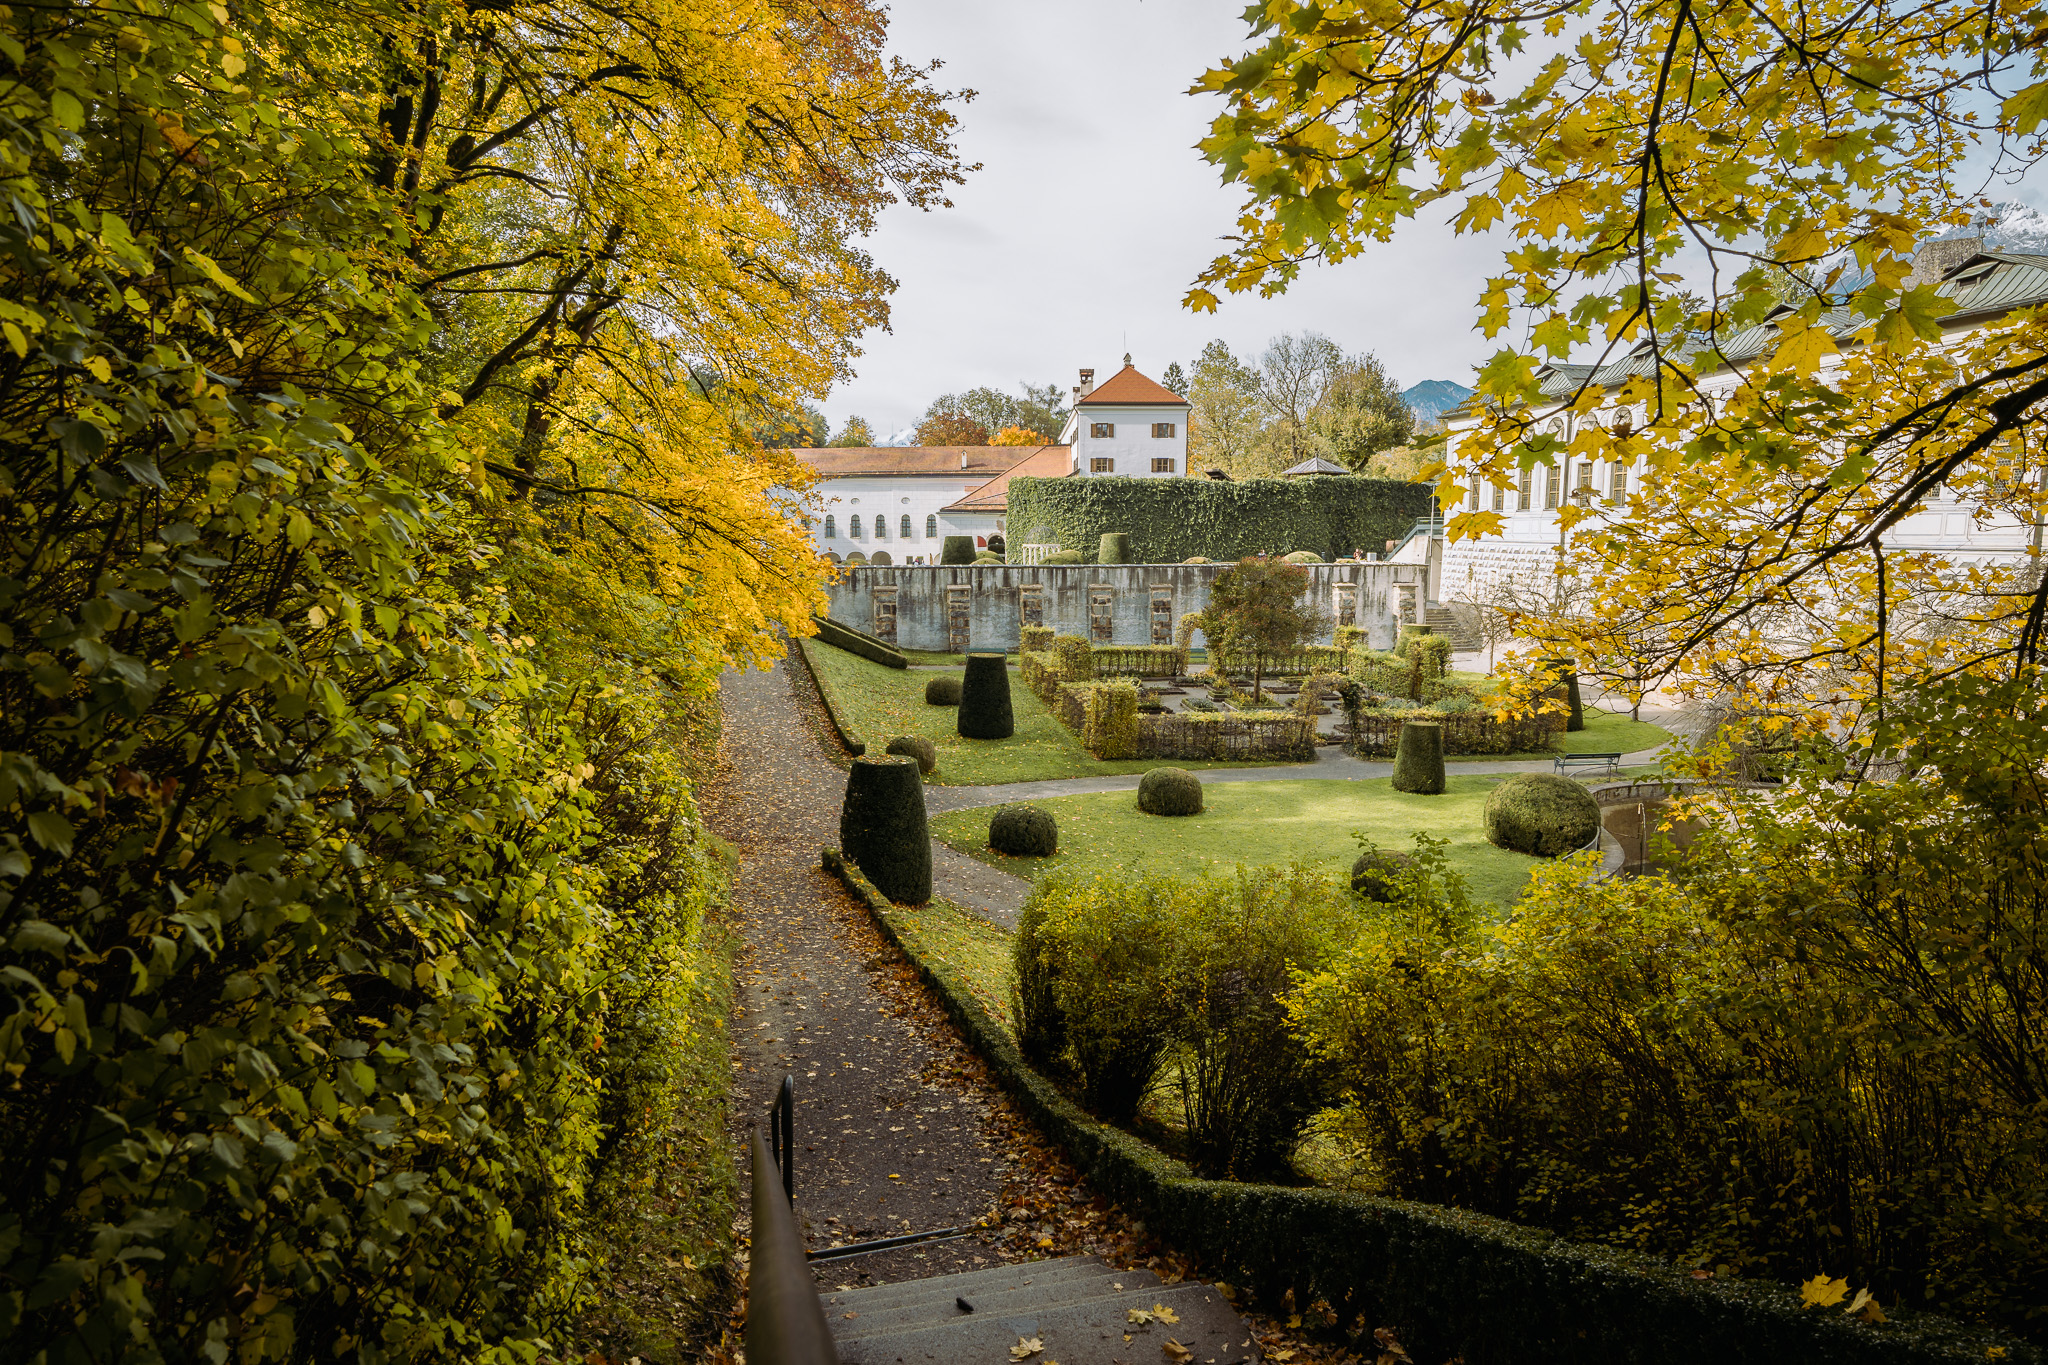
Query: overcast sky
{"points": [[1092, 213]]}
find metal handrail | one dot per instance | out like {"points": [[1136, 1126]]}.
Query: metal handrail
{"points": [[785, 1318]]}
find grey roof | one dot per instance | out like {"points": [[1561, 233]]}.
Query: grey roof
{"points": [[1315, 465], [1982, 284]]}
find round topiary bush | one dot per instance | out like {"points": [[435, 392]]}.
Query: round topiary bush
{"points": [[1023, 832], [923, 750], [882, 828], [1419, 758], [1170, 791], [1377, 872], [1114, 548], [1198, 559], [1303, 557], [986, 557], [1063, 557], [1541, 814], [985, 698], [942, 691], [957, 550]]}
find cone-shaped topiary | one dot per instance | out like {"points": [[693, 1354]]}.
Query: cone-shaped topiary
{"points": [[943, 691], [913, 746], [1541, 814], [1023, 832], [1114, 548], [1419, 758], [957, 550], [1170, 791], [1376, 873], [985, 698], [882, 828]]}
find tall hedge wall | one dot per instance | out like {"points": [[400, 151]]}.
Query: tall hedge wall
{"points": [[1170, 520]]}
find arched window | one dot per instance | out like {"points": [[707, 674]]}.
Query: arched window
{"points": [[906, 525], [931, 526], [831, 529], [881, 526], [853, 526]]}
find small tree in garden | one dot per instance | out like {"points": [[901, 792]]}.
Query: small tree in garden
{"points": [[1261, 606]]}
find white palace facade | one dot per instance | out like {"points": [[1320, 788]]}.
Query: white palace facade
{"points": [[1981, 285], [903, 501]]}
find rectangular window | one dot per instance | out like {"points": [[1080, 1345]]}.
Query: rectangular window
{"points": [[1617, 486], [1500, 498], [1101, 464], [1522, 493], [1550, 476], [1472, 495], [1164, 429], [1102, 431], [1162, 466]]}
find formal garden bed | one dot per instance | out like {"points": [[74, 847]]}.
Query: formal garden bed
{"points": [[1103, 833], [870, 704]]}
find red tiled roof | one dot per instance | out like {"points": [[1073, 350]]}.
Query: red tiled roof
{"points": [[853, 462], [1046, 462], [1128, 388]]}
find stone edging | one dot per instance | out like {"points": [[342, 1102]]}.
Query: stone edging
{"points": [[1452, 1284]]}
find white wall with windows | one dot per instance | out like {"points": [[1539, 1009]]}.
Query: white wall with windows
{"points": [[1140, 442], [903, 514]]}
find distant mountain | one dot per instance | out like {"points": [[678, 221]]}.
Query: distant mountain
{"points": [[2010, 226], [1432, 398]]}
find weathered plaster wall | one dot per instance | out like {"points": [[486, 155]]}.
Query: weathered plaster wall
{"points": [[995, 593]]}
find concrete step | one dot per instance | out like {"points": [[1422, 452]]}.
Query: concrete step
{"points": [[975, 1284], [1024, 1297], [1090, 1332]]}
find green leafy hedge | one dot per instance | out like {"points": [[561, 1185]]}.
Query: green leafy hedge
{"points": [[1452, 1284], [1171, 520]]}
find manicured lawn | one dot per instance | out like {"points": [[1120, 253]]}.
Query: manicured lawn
{"points": [[1259, 822], [978, 950], [880, 703]]}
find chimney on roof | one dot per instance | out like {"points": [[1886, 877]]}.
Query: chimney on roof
{"points": [[1934, 260], [1087, 382]]}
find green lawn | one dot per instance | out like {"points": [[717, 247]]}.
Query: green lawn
{"points": [[880, 703], [1259, 822], [976, 949]]}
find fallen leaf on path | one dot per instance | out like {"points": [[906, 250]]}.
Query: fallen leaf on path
{"points": [[1164, 1314], [1026, 1348], [1138, 1315], [1175, 1351]]}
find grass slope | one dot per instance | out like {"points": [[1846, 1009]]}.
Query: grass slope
{"points": [[978, 950], [1258, 822], [879, 703]]}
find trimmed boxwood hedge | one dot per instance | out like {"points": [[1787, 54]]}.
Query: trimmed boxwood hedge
{"points": [[1452, 1284], [1170, 791], [1541, 814], [883, 829], [1170, 520], [1419, 759], [1024, 832], [985, 698], [859, 642]]}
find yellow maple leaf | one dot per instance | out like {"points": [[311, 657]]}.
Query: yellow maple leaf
{"points": [[1173, 1350], [1026, 1348], [1822, 1292], [1163, 1313], [1138, 1315]]}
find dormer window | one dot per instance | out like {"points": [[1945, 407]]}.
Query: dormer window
{"points": [[1102, 431]]}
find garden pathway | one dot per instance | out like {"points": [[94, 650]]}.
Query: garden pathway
{"points": [[892, 1134], [1331, 762]]}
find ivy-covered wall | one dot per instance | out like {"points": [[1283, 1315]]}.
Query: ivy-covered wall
{"points": [[1170, 520]]}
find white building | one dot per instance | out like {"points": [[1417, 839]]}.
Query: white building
{"points": [[903, 501], [1982, 285]]}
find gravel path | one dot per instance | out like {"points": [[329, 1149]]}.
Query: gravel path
{"points": [[893, 1133]]}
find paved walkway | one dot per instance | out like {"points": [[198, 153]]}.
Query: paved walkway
{"points": [[892, 1136], [1331, 762]]}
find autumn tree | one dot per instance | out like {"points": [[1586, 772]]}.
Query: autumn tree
{"points": [[1260, 607], [856, 432], [949, 426], [1700, 190], [1017, 436], [1361, 414], [1226, 425]]}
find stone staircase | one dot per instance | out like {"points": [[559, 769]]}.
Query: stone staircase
{"points": [[1443, 621], [1076, 1310]]}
